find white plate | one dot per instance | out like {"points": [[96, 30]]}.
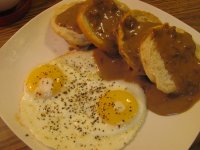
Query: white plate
{"points": [[36, 43]]}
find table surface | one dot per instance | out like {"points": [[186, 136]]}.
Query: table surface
{"points": [[186, 10]]}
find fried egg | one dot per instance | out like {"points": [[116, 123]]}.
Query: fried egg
{"points": [[66, 105]]}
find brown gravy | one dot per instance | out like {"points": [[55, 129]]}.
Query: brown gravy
{"points": [[134, 32], [104, 16], [157, 101], [68, 18], [179, 57]]}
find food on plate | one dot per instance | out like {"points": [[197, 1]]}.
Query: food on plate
{"points": [[67, 105], [168, 58], [99, 19], [132, 29], [127, 37], [116, 68], [64, 24], [128, 33], [91, 99]]}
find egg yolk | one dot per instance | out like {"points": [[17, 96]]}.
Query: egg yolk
{"points": [[45, 72], [117, 106]]}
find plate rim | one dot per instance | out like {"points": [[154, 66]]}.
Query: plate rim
{"points": [[185, 26]]}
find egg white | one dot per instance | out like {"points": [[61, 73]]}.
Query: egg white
{"points": [[68, 120]]}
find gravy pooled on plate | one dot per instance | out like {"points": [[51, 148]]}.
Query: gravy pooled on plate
{"points": [[157, 101]]}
